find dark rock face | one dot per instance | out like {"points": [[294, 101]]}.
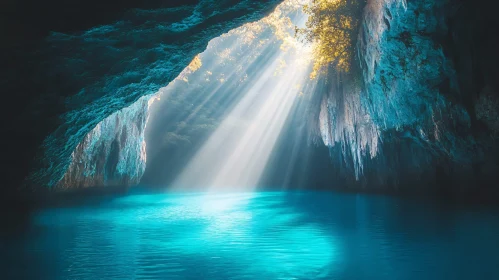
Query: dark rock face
{"points": [[74, 64], [472, 44], [426, 115], [111, 154]]}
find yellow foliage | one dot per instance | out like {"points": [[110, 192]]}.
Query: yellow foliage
{"points": [[191, 68], [279, 69], [278, 22], [195, 64], [332, 27], [225, 55]]}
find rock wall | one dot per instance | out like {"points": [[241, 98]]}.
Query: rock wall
{"points": [[83, 77], [409, 122], [113, 153]]}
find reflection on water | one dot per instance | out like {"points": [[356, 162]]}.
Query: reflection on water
{"points": [[272, 235]]}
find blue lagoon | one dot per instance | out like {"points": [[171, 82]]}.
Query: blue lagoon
{"points": [[260, 235]]}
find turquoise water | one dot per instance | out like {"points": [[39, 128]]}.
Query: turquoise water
{"points": [[268, 235]]}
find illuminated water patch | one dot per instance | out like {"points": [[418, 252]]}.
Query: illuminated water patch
{"points": [[185, 236], [279, 235]]}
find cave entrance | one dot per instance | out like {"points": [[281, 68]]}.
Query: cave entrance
{"points": [[218, 124]]}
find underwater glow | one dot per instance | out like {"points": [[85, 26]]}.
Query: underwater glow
{"points": [[172, 236], [255, 235]]}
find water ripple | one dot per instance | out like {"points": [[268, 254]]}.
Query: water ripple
{"points": [[254, 236]]}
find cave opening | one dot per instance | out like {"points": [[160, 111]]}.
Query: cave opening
{"points": [[259, 76], [240, 104], [240, 139]]}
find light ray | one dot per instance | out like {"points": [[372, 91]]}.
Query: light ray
{"points": [[236, 154], [247, 82]]}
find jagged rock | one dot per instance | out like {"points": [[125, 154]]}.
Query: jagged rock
{"points": [[426, 106], [113, 153], [83, 77], [411, 100]]}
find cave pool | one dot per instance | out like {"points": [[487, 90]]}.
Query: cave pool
{"points": [[260, 235]]}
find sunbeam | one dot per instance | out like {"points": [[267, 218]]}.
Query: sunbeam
{"points": [[234, 157]]}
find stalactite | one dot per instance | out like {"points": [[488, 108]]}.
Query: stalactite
{"points": [[112, 153]]}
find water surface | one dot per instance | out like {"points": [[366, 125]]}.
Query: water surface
{"points": [[266, 235]]}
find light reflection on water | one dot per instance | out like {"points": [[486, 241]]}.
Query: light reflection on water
{"points": [[273, 235]]}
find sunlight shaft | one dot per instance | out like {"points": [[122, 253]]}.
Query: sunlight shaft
{"points": [[237, 152], [247, 81]]}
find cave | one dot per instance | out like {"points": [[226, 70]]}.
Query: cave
{"points": [[283, 139]]}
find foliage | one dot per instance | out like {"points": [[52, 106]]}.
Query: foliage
{"points": [[332, 27], [195, 64], [279, 23]]}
